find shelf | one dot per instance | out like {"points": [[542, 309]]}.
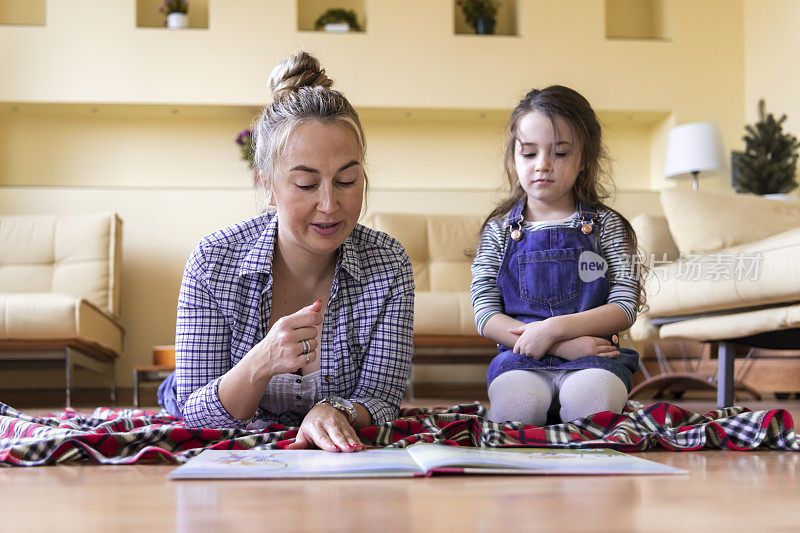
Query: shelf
{"points": [[148, 16], [23, 12], [638, 20], [507, 17], [308, 11], [192, 146], [123, 145]]}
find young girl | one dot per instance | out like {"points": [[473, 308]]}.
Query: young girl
{"points": [[553, 281]]}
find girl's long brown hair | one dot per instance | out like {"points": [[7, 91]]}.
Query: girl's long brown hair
{"points": [[593, 185]]}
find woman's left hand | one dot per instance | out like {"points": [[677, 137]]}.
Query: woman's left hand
{"points": [[327, 428], [535, 338]]}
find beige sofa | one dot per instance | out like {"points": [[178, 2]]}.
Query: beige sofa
{"points": [[441, 248], [60, 292], [726, 268]]}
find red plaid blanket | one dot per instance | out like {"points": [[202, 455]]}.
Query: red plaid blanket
{"points": [[126, 436]]}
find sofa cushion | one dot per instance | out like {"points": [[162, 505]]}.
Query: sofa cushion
{"points": [[760, 273], [441, 247], [44, 316], [71, 254], [732, 326], [443, 313], [706, 222], [452, 244]]}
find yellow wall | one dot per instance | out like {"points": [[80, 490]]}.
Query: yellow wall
{"points": [[97, 113], [423, 65]]}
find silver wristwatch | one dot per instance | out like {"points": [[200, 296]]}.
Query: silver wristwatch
{"points": [[345, 406]]}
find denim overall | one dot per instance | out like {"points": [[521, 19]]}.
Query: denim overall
{"points": [[539, 278]]}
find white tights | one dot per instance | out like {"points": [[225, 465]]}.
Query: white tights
{"points": [[527, 396]]}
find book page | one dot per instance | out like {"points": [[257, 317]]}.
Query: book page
{"points": [[296, 463], [533, 461]]}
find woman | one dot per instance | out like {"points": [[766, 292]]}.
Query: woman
{"points": [[251, 348]]}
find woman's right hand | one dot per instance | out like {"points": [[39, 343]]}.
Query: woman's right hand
{"points": [[578, 347], [281, 351]]}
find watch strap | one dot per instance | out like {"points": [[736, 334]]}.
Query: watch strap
{"points": [[346, 407]]}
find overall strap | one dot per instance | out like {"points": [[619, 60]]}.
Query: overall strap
{"points": [[589, 217], [515, 218], [516, 215]]}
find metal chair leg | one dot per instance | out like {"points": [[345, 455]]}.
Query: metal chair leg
{"points": [[744, 364], [113, 386], [68, 371], [726, 353], [663, 362], [135, 388]]}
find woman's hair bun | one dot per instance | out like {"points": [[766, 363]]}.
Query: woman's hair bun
{"points": [[295, 72]]}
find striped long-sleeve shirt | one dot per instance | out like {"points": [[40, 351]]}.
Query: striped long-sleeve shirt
{"points": [[486, 297]]}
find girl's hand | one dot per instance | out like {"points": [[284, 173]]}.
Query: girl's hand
{"points": [[327, 428], [535, 338], [578, 347], [281, 351]]}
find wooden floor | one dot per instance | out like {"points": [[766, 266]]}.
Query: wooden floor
{"points": [[730, 491]]}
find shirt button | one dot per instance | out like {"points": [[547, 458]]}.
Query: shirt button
{"points": [[299, 397], [328, 379], [299, 380]]}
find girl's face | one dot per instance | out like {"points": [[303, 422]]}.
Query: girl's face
{"points": [[318, 187], [547, 159]]}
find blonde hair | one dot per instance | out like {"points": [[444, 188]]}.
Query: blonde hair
{"points": [[301, 92]]}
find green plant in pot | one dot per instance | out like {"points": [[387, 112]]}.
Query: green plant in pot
{"points": [[176, 13], [768, 164], [337, 16], [480, 14]]}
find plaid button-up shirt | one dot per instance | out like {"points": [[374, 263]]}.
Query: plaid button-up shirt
{"points": [[224, 309]]}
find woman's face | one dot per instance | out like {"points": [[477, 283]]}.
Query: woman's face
{"points": [[547, 159], [318, 187]]}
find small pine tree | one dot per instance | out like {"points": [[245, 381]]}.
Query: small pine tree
{"points": [[769, 161]]}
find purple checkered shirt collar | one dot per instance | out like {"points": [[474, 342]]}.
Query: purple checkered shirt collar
{"points": [[259, 259]]}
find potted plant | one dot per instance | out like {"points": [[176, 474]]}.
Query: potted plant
{"points": [[480, 14], [248, 151], [769, 162], [176, 13], [338, 20]]}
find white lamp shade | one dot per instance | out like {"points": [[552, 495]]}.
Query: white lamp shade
{"points": [[694, 147]]}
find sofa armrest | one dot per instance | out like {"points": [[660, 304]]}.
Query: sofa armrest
{"points": [[655, 239]]}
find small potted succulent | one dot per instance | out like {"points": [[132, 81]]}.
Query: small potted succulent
{"points": [[480, 14], [248, 150], [338, 20], [176, 13]]}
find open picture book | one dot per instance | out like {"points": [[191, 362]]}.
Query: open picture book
{"points": [[416, 460]]}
